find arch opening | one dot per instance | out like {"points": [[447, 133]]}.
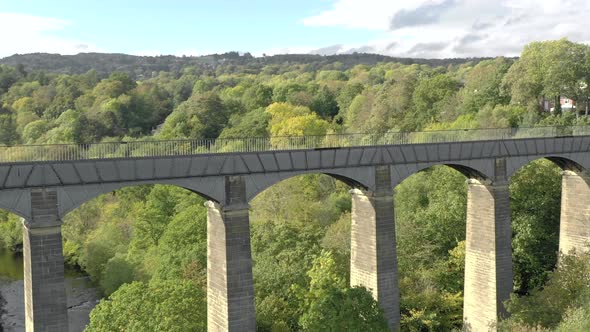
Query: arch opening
{"points": [[564, 163], [469, 171], [73, 197], [537, 190], [349, 177], [129, 221], [11, 268], [567, 164], [300, 231], [550, 216], [140, 233], [431, 208], [430, 218], [11, 246]]}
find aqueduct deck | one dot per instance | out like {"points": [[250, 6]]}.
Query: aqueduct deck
{"points": [[42, 183]]}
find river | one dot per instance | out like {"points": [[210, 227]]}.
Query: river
{"points": [[82, 296]]}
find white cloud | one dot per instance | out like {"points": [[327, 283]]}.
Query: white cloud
{"points": [[368, 14], [455, 28], [23, 33]]}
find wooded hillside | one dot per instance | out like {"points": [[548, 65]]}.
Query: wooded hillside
{"points": [[146, 245]]}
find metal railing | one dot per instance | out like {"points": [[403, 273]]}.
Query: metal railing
{"points": [[64, 152]]}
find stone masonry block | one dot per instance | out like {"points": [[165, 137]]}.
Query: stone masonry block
{"points": [[373, 248], [574, 228], [488, 255]]}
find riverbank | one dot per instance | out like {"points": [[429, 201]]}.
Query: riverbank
{"points": [[81, 300]]}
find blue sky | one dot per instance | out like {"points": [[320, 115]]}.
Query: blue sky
{"points": [[176, 26], [418, 28]]}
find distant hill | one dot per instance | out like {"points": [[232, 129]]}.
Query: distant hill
{"points": [[141, 67]]}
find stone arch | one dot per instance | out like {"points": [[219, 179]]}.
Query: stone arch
{"points": [[574, 218], [572, 163], [354, 177], [486, 218], [71, 197], [480, 170]]}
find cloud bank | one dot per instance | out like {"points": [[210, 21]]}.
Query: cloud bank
{"points": [[454, 28], [417, 28], [23, 33]]}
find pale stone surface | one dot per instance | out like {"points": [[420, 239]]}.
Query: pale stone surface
{"points": [[45, 293], [488, 255], [574, 228], [230, 288], [373, 252]]}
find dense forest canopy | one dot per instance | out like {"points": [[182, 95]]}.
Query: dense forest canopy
{"points": [[152, 239], [143, 67]]}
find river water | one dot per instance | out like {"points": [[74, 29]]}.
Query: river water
{"points": [[82, 296]]}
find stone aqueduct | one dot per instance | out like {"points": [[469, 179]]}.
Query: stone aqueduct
{"points": [[43, 192]]}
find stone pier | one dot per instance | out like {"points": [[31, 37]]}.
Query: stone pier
{"points": [[488, 254], [373, 247], [230, 288], [45, 293], [574, 228]]}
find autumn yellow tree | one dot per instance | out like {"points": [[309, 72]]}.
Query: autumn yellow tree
{"points": [[289, 124]]}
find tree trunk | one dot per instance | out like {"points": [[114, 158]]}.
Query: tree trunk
{"points": [[557, 109]]}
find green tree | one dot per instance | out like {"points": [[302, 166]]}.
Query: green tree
{"points": [[430, 227], [282, 253], [150, 104], [11, 235], [535, 195], [182, 89], [548, 70], [329, 305], [331, 75], [356, 118], [35, 130], [102, 245], [251, 124], [257, 96], [67, 90], [201, 116], [8, 76], [566, 289], [204, 85], [117, 84], [576, 319], [502, 116], [289, 120], [564, 69], [429, 97], [393, 105], [347, 94], [324, 103], [292, 93], [173, 305], [483, 85], [117, 272], [156, 214], [183, 245], [430, 211], [8, 133], [71, 128], [26, 111]]}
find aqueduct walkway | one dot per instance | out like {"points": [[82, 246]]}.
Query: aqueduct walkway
{"points": [[42, 183]]}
